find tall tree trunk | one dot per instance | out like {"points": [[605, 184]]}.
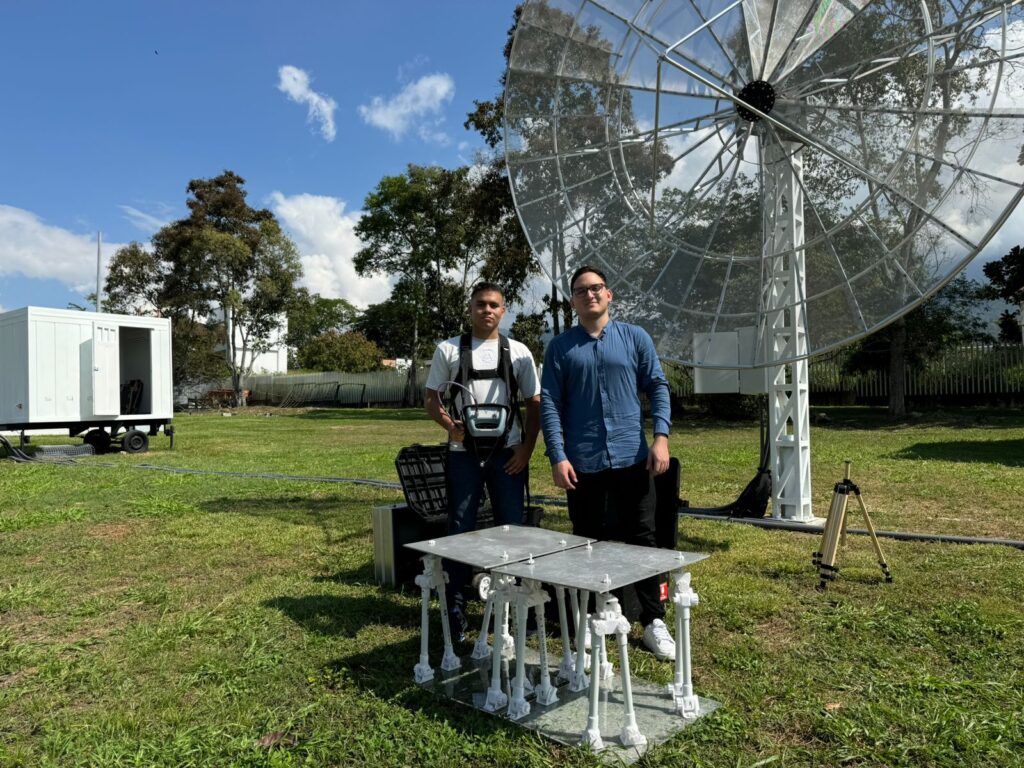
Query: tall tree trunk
{"points": [[898, 370], [410, 383], [237, 398]]}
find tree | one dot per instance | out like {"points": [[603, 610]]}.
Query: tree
{"points": [[527, 329], [1006, 278], [311, 314], [419, 226], [487, 118], [565, 223], [1009, 327], [225, 257], [131, 285], [951, 317], [333, 351], [390, 324]]}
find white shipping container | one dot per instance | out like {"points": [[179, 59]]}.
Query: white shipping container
{"points": [[81, 370]]}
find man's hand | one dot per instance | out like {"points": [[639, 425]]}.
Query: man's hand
{"points": [[457, 433], [564, 475], [657, 457], [520, 460]]}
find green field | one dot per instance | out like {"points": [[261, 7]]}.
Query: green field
{"points": [[156, 619]]}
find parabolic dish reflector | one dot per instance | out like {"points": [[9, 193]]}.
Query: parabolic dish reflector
{"points": [[652, 139]]}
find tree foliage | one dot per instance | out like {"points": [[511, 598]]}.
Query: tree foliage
{"points": [[389, 324], [438, 231], [311, 314], [951, 317], [350, 352], [1006, 282], [224, 258], [528, 329]]}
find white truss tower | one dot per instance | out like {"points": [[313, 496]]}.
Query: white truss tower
{"points": [[785, 334]]}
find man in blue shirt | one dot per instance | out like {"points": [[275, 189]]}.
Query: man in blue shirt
{"points": [[593, 428]]}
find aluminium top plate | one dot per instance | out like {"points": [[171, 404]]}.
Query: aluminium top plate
{"points": [[604, 566], [500, 545]]}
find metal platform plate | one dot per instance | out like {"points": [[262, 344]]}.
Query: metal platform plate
{"points": [[500, 545], [604, 566]]}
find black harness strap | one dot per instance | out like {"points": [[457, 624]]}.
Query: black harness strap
{"points": [[467, 373]]}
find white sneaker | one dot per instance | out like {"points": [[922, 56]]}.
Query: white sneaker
{"points": [[659, 641]]}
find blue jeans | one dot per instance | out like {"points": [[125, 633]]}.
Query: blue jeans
{"points": [[465, 481]]}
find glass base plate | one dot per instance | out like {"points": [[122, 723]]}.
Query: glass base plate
{"points": [[565, 720]]}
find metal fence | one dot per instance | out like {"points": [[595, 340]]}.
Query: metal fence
{"points": [[352, 390], [972, 371], [969, 371]]}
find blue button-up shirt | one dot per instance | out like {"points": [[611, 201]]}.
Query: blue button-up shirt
{"points": [[590, 403]]}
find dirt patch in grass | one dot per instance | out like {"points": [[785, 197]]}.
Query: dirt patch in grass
{"points": [[111, 531], [15, 678]]}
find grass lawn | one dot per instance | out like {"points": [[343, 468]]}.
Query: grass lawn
{"points": [[155, 619]]}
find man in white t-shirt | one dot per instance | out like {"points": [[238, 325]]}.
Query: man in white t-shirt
{"points": [[502, 467]]}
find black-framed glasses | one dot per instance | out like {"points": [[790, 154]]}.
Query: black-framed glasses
{"points": [[583, 290]]}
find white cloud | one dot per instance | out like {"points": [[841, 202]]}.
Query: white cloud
{"points": [[294, 82], [326, 239], [32, 248], [142, 220], [420, 99], [434, 135], [419, 61]]}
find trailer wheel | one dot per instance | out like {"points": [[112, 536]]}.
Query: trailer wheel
{"points": [[99, 439], [135, 441]]}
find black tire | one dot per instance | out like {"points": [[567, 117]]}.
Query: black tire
{"points": [[99, 439], [135, 441]]}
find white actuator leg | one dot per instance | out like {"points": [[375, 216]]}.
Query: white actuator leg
{"points": [[687, 704]]}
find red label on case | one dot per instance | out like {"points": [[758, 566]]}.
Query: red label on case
{"points": [[664, 591]]}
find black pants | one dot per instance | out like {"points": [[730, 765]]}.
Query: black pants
{"points": [[619, 505]]}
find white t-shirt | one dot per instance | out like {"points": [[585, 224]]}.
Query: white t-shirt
{"points": [[486, 354]]}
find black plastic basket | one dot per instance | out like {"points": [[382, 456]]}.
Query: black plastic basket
{"points": [[421, 470]]}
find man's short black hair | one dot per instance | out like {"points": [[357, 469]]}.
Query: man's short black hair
{"points": [[586, 268], [485, 286]]}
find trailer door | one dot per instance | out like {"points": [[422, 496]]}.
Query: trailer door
{"points": [[106, 370]]}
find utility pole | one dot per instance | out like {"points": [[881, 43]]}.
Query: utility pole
{"points": [[99, 266]]}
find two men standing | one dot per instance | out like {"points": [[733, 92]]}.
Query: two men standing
{"points": [[588, 402]]}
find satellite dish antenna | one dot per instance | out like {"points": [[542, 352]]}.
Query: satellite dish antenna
{"points": [[765, 180]]}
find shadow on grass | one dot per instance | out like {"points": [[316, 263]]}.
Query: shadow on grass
{"points": [[877, 418], [360, 575], [1009, 453], [692, 543], [336, 510], [346, 616], [387, 672]]}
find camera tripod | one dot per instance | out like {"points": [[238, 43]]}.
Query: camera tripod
{"points": [[834, 535]]}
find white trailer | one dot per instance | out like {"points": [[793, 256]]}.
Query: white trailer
{"points": [[107, 377]]}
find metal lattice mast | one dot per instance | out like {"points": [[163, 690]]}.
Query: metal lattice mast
{"points": [[786, 333]]}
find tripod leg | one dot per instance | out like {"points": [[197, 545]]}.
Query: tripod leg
{"points": [[874, 538], [827, 567], [816, 556]]}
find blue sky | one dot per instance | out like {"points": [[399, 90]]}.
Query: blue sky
{"points": [[111, 108]]}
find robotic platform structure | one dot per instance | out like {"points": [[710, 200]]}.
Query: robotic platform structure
{"points": [[571, 701]]}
